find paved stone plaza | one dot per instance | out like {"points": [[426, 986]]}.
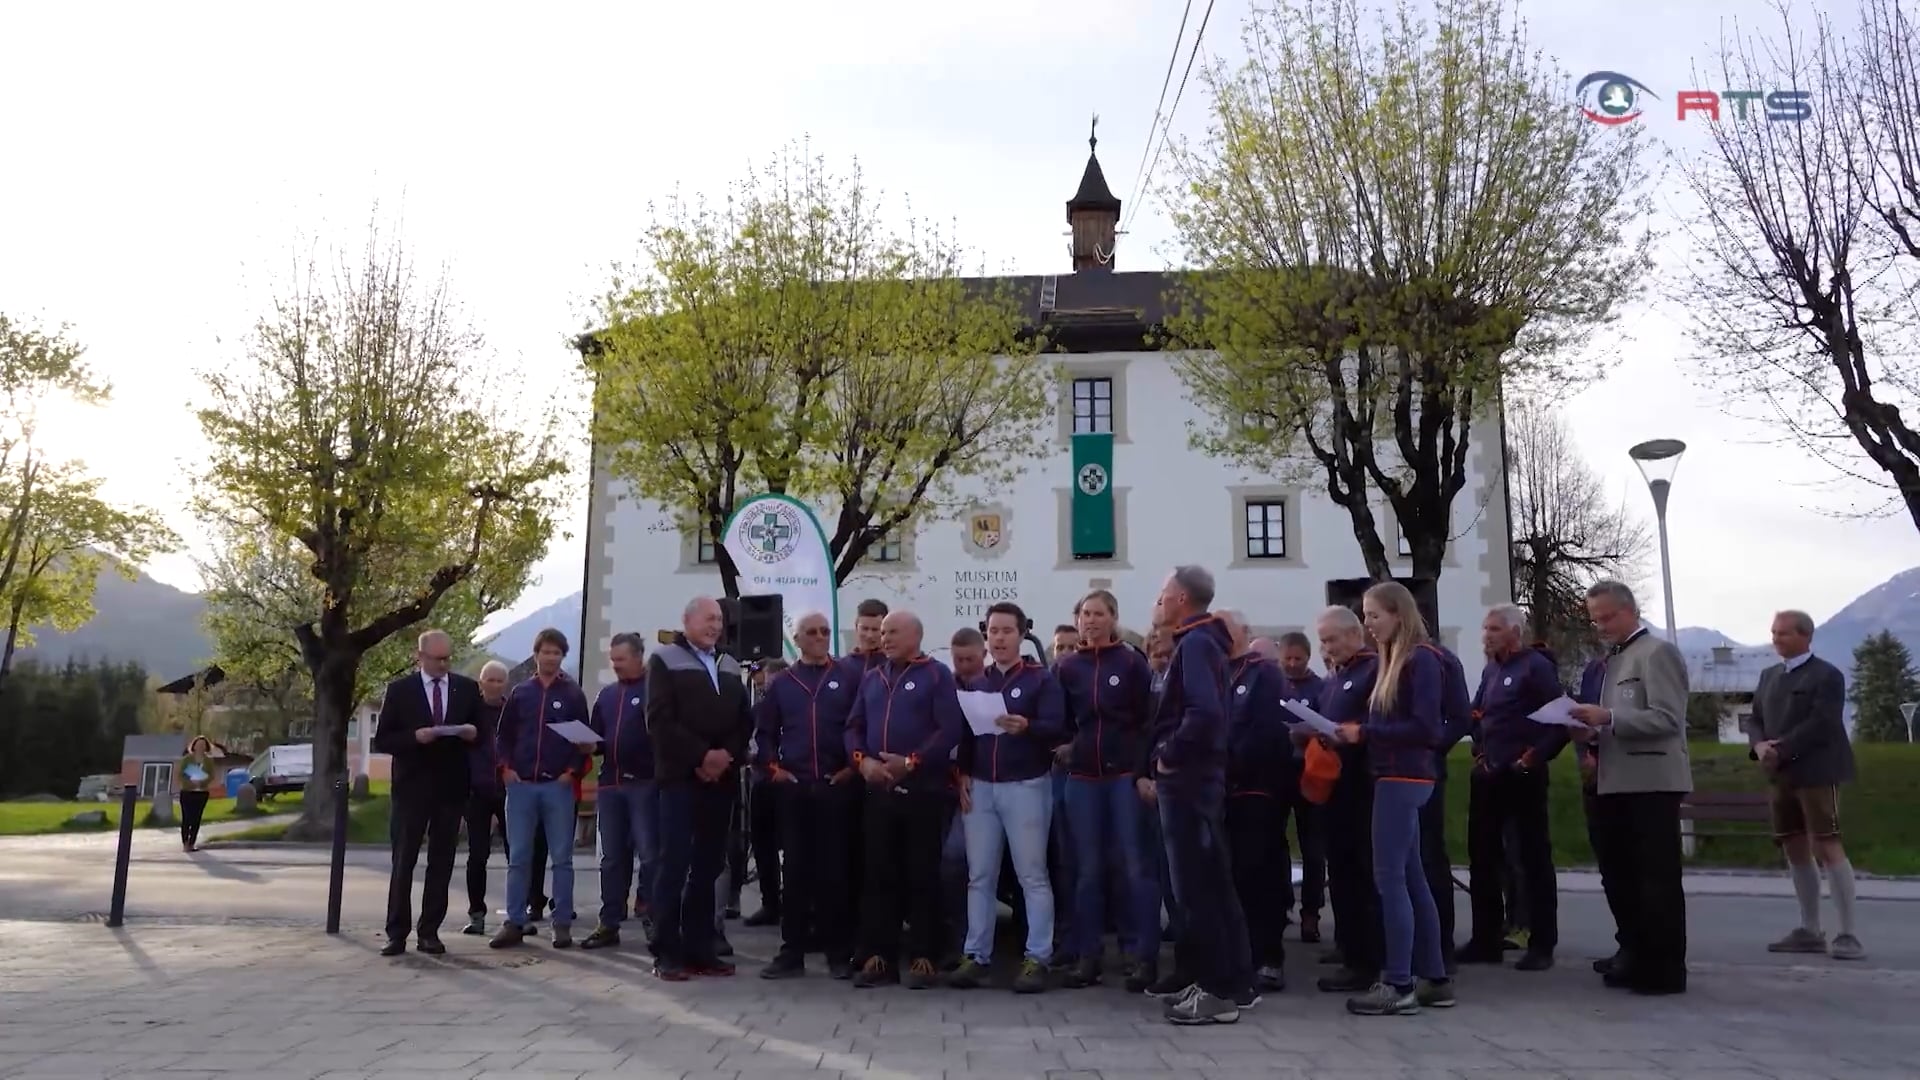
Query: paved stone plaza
{"points": [[222, 970]]}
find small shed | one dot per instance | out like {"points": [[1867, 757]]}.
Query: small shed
{"points": [[148, 760]]}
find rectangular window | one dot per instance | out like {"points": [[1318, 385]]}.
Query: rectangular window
{"points": [[1406, 547], [705, 554], [1266, 529], [1093, 406], [886, 551], [153, 776]]}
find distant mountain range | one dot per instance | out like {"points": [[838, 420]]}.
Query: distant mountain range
{"points": [[1700, 638], [1893, 605], [514, 642]]}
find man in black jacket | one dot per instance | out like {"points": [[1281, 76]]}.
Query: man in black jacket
{"points": [[1802, 741], [427, 721], [699, 720]]}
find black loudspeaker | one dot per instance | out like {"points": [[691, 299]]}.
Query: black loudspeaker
{"points": [[753, 627], [1347, 592]]}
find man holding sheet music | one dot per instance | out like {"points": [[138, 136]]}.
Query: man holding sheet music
{"points": [[427, 720], [542, 744], [1508, 787]]}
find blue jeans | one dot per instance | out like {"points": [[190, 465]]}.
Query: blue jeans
{"points": [[627, 814], [1016, 814], [547, 808], [1410, 922], [1213, 945], [1108, 821]]}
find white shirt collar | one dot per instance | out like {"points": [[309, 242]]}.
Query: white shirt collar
{"points": [[1796, 661]]}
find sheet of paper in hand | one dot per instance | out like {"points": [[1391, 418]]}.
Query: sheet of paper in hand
{"points": [[1558, 712], [983, 708], [1309, 720], [195, 773], [575, 732], [446, 730]]}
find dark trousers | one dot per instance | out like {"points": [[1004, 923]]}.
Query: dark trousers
{"points": [[437, 823], [193, 807], [767, 836], [1436, 863], [1499, 804], [1213, 948], [1609, 883], [694, 816], [484, 808], [813, 819], [1637, 843], [1257, 842], [1311, 834], [1356, 903], [905, 831]]}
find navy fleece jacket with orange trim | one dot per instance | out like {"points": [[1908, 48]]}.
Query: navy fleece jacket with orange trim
{"points": [[1029, 690], [800, 721]]}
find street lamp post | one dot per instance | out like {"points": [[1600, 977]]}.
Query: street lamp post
{"points": [[1658, 460], [1906, 713]]}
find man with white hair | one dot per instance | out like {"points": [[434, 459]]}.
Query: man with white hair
{"points": [[1352, 668], [1258, 754], [427, 721], [1509, 790], [486, 798]]}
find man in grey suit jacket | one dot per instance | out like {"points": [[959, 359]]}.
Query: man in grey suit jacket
{"points": [[1800, 737], [1640, 730]]}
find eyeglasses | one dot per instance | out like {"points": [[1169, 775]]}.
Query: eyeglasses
{"points": [[436, 659], [814, 631]]}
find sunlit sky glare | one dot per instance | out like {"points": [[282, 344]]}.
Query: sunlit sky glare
{"points": [[165, 159]]}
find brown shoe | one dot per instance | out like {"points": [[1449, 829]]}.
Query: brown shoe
{"points": [[877, 972], [510, 935], [921, 974]]}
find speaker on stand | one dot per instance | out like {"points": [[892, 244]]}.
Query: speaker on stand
{"points": [[1348, 593]]}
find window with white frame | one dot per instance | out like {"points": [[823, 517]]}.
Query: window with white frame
{"points": [[1266, 531], [703, 550], [887, 550], [1405, 547], [1093, 406]]}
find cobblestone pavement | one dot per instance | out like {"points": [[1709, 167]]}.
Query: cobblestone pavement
{"points": [[181, 999]]}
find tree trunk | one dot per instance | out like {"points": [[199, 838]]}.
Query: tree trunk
{"points": [[333, 705]]}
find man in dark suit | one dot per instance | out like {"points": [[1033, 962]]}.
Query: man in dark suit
{"points": [[427, 722], [699, 720], [1801, 739]]}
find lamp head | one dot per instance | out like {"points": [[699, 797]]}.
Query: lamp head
{"points": [[1658, 460]]}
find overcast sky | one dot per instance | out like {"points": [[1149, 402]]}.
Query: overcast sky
{"points": [[164, 158]]}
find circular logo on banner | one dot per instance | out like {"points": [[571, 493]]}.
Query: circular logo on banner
{"points": [[1239, 689], [909, 686], [772, 533], [833, 684], [1113, 680], [1092, 479], [1015, 693]]}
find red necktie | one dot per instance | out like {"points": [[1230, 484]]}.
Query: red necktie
{"points": [[439, 713]]}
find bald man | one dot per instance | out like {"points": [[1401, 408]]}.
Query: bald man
{"points": [[428, 719], [700, 720], [900, 736]]}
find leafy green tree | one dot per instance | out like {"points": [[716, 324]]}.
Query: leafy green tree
{"points": [[360, 436], [1392, 220], [791, 341], [58, 724], [1883, 679]]}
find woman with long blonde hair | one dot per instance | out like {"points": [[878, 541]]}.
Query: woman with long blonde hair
{"points": [[1402, 729]]}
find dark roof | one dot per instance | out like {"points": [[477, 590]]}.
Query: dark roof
{"points": [[212, 676], [166, 747], [1094, 193]]}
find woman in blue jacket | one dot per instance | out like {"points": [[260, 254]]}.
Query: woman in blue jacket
{"points": [[1402, 728]]}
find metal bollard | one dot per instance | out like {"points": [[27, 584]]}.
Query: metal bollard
{"points": [[336, 878], [129, 798]]}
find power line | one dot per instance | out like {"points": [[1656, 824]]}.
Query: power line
{"points": [[1198, 36], [1172, 58]]}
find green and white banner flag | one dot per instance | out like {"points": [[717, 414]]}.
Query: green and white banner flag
{"points": [[778, 546]]}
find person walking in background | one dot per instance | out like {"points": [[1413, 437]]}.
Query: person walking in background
{"points": [[626, 802], [1802, 743], [195, 771], [541, 767], [486, 796], [1402, 727], [427, 721], [1299, 683]]}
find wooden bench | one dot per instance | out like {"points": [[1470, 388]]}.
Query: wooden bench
{"points": [[1724, 813]]}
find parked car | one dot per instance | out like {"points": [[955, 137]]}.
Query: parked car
{"points": [[281, 769]]}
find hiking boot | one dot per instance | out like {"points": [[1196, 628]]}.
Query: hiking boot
{"points": [[476, 926], [1435, 995], [712, 969], [1270, 978], [1477, 953], [921, 974], [970, 975], [1800, 940], [1084, 974], [1516, 940], [510, 935], [1140, 975], [562, 936], [1310, 929], [1384, 1000], [667, 971], [840, 969], [877, 972], [1847, 947], [1201, 1007], [1347, 981], [1535, 960], [785, 966], [1032, 978], [603, 937]]}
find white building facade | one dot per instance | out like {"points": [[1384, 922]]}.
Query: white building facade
{"points": [[1273, 544]]}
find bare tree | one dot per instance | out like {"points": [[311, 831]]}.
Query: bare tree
{"points": [[1808, 245], [1566, 535]]}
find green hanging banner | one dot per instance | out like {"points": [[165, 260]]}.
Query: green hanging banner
{"points": [[1093, 496]]}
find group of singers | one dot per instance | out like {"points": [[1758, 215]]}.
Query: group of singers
{"points": [[1118, 782]]}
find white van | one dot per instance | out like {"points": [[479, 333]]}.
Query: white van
{"points": [[281, 768]]}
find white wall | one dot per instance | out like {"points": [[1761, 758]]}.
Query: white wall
{"points": [[1172, 505]]}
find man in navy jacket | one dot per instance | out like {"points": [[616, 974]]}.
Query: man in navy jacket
{"points": [[626, 803], [1294, 653], [1259, 751], [1188, 765], [1509, 787], [800, 729], [1348, 814]]}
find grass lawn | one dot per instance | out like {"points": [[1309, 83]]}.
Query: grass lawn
{"points": [[366, 824], [1876, 810], [40, 818]]}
